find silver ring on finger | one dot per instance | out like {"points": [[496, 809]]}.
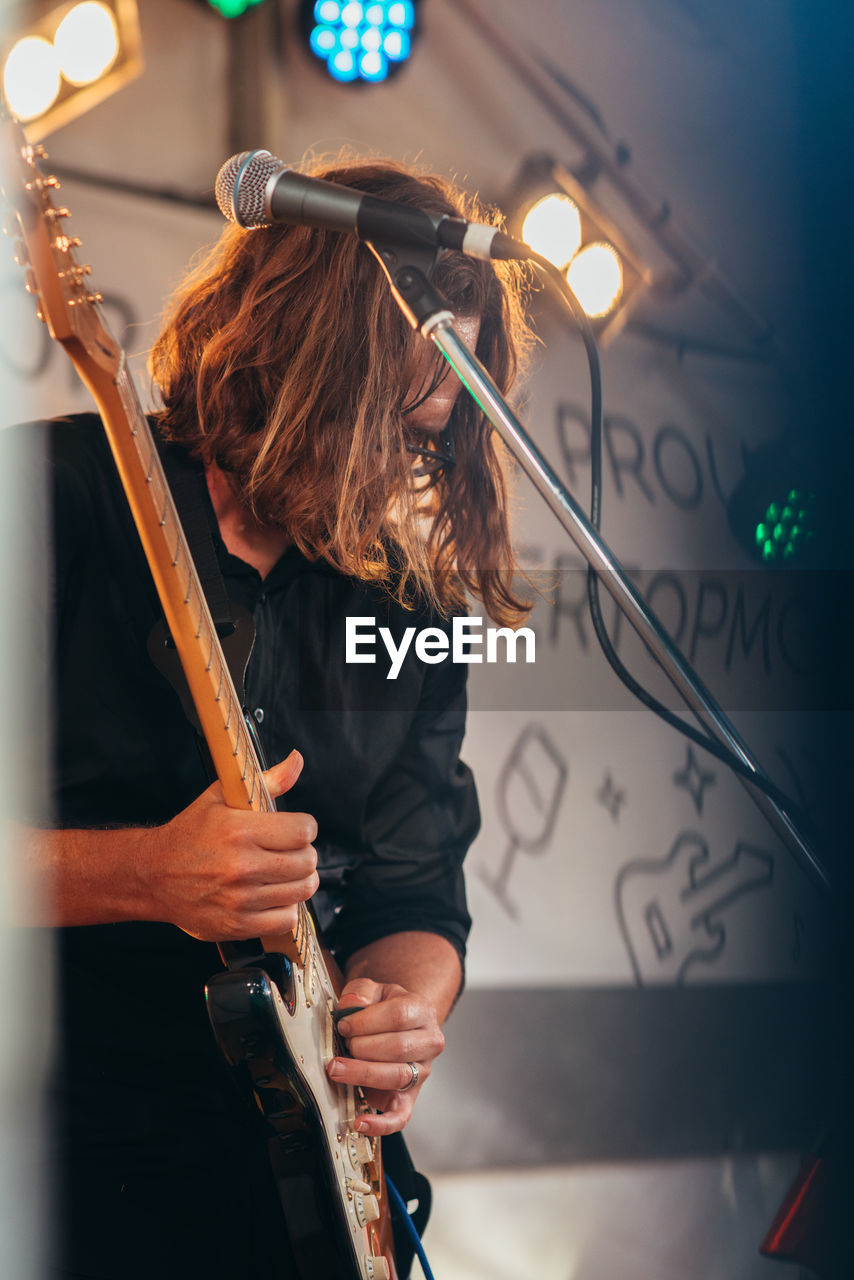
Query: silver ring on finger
{"points": [[413, 1067]]}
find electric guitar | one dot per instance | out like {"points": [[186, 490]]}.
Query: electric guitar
{"points": [[273, 1007]]}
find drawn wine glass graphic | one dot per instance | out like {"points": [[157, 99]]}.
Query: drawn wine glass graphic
{"points": [[530, 788]]}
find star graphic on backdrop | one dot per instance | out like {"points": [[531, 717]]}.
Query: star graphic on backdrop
{"points": [[693, 779], [611, 797]]}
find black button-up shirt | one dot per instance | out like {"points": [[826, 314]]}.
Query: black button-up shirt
{"points": [[396, 809]]}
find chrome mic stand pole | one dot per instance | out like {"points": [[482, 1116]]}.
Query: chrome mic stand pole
{"points": [[428, 312]]}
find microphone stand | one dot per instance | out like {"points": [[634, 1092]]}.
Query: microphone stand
{"points": [[407, 268]]}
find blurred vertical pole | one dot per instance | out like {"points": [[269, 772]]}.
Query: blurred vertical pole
{"points": [[825, 40], [26, 978], [257, 99]]}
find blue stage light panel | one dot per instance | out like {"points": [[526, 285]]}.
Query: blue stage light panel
{"points": [[360, 42]]}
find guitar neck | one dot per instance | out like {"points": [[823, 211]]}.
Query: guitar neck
{"points": [[183, 602], [187, 614], [73, 316]]}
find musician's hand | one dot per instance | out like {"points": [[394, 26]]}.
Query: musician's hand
{"points": [[394, 1027], [221, 873]]}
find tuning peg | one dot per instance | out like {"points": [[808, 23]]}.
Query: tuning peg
{"points": [[30, 283], [91, 298], [19, 255], [75, 273], [53, 215]]}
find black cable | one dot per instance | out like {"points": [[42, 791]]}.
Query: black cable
{"points": [[717, 749]]}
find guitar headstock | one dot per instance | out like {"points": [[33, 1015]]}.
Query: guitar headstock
{"points": [[54, 275]]}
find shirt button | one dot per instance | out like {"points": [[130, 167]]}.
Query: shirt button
{"points": [[258, 713]]}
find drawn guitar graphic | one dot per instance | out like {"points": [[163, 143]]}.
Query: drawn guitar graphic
{"points": [[669, 908], [272, 1009]]}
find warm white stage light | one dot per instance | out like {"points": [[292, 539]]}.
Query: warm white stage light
{"points": [[31, 77], [552, 228], [86, 42], [595, 276]]}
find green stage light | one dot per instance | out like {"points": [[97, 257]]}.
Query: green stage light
{"points": [[232, 8], [775, 511], [786, 527]]}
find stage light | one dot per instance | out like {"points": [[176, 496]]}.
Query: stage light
{"points": [[786, 527], [86, 42], [31, 77], [232, 8], [552, 228], [70, 60], [775, 511], [552, 211], [595, 276], [359, 42]]}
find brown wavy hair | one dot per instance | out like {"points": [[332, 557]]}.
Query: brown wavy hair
{"points": [[285, 360]]}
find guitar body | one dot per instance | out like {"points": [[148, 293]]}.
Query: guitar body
{"points": [[329, 1177], [272, 1009]]}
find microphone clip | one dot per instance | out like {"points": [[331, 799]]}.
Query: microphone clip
{"points": [[408, 267]]}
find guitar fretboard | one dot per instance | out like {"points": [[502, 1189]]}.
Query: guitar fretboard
{"points": [[193, 631], [191, 624]]}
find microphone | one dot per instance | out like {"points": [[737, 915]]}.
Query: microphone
{"points": [[255, 189]]}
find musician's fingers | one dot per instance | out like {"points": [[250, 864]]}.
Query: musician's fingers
{"points": [[420, 1045], [393, 1111], [360, 991], [269, 924], [388, 1076], [269, 890], [386, 1007], [283, 775]]}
